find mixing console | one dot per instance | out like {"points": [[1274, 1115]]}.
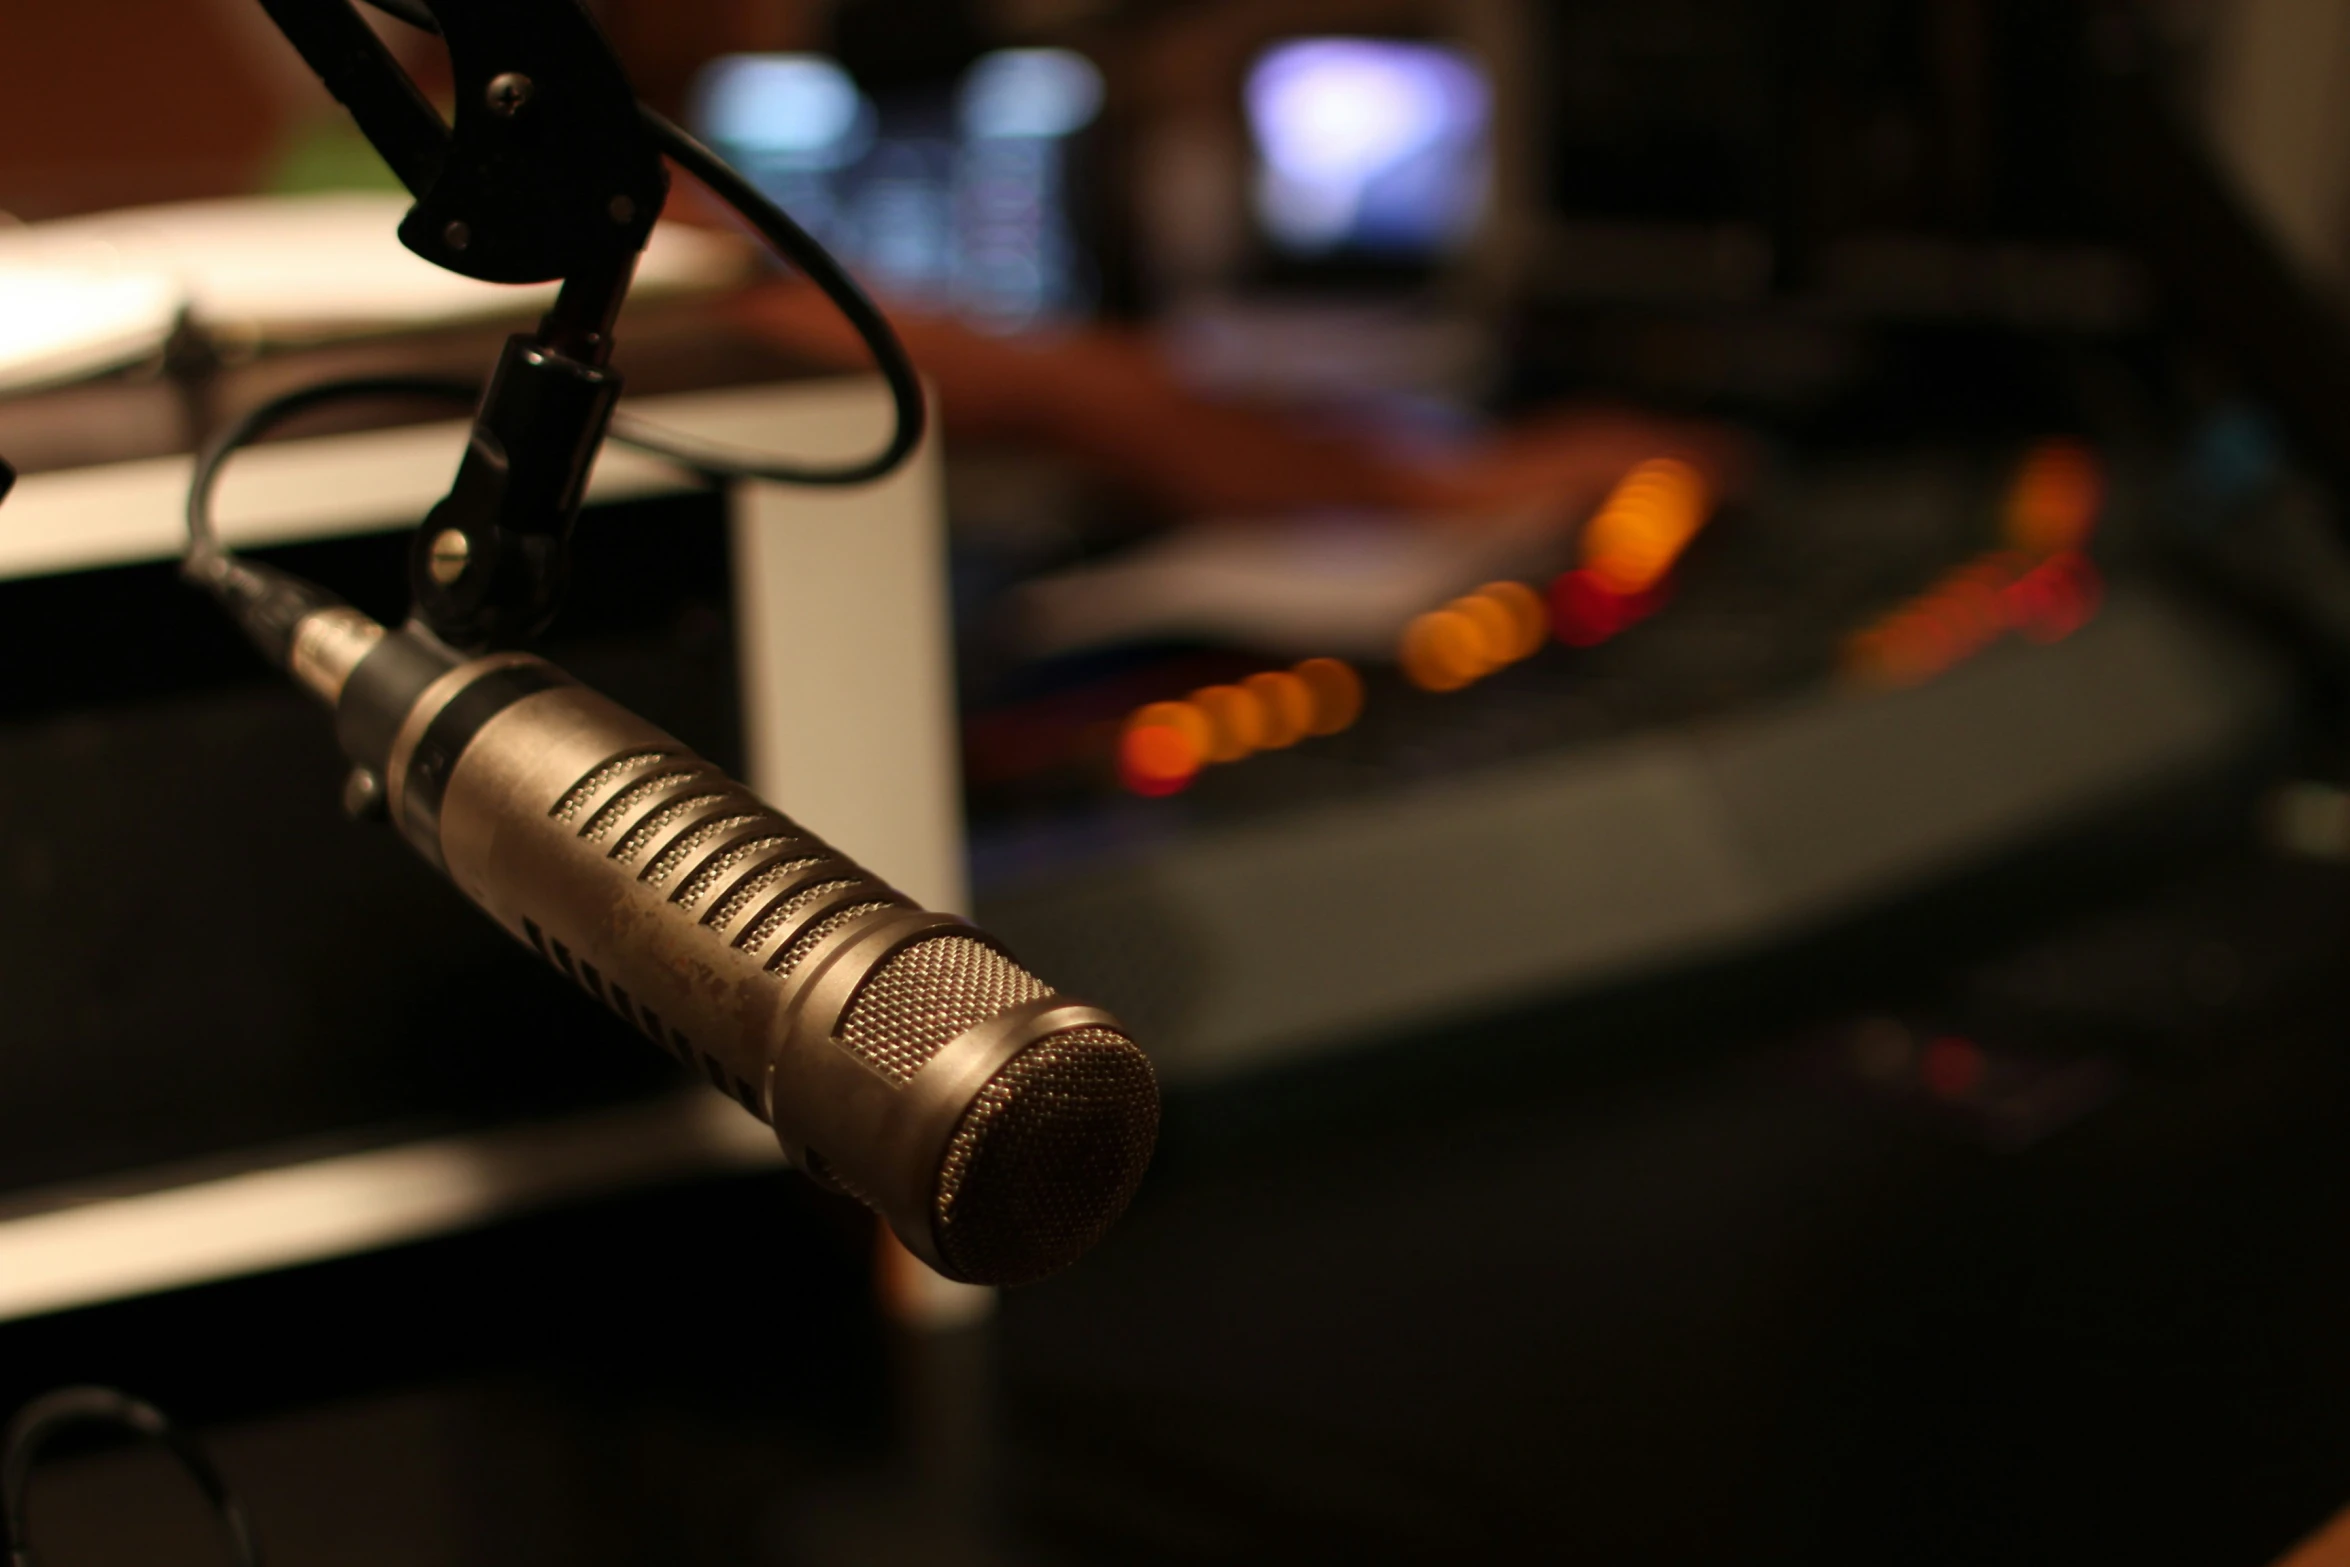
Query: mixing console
{"points": [[1839, 576], [1866, 674]]}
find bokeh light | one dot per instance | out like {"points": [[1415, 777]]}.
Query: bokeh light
{"points": [[1183, 716], [1629, 549], [1585, 612], [2055, 501], [2056, 598], [1337, 693], [1285, 706], [1157, 759], [1164, 745], [1472, 636], [1370, 143], [1029, 93], [1952, 1067], [1527, 613], [1236, 721], [1443, 650], [798, 109], [1496, 628], [2042, 586], [1642, 528]]}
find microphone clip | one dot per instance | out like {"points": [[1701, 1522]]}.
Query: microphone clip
{"points": [[547, 172], [489, 564]]}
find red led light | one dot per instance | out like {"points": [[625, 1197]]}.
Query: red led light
{"points": [[2045, 601], [1953, 1067], [1585, 612], [2055, 500], [1644, 525], [1164, 745], [1970, 605], [2055, 598], [1157, 759]]}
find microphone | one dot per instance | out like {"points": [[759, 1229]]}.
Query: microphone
{"points": [[902, 1057]]}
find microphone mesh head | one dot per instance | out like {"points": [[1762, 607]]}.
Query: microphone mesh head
{"points": [[1046, 1157], [1049, 1151], [927, 994]]}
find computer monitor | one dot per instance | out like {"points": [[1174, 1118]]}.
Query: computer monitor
{"points": [[953, 198], [1369, 149]]}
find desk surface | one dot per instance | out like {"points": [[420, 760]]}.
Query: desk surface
{"points": [[665, 346]]}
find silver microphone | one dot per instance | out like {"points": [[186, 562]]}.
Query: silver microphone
{"points": [[902, 1057]]}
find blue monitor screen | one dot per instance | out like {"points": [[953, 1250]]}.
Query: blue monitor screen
{"points": [[1369, 146], [954, 201]]}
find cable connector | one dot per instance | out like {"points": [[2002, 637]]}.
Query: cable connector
{"points": [[267, 604]]}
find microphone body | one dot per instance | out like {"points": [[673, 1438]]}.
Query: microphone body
{"points": [[901, 1056]]}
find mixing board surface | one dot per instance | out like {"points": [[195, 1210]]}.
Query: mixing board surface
{"points": [[1727, 774]]}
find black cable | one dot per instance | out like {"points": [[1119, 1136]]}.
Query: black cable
{"points": [[801, 249], [797, 246], [206, 560], [51, 1413], [205, 557]]}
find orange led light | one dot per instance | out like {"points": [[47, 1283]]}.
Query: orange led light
{"points": [[1165, 744], [1236, 721], [1183, 716], [2043, 600], [1157, 759], [1286, 704], [1644, 525], [1968, 606], [1910, 646], [2056, 498], [1473, 636], [1443, 650], [1496, 627], [1526, 611], [1629, 548], [1874, 655], [1337, 693]]}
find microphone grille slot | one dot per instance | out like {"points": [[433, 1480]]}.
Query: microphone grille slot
{"points": [[755, 887], [575, 799], [708, 875], [785, 912], [640, 837], [924, 996], [1046, 1157], [644, 791], [789, 958], [665, 864]]}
